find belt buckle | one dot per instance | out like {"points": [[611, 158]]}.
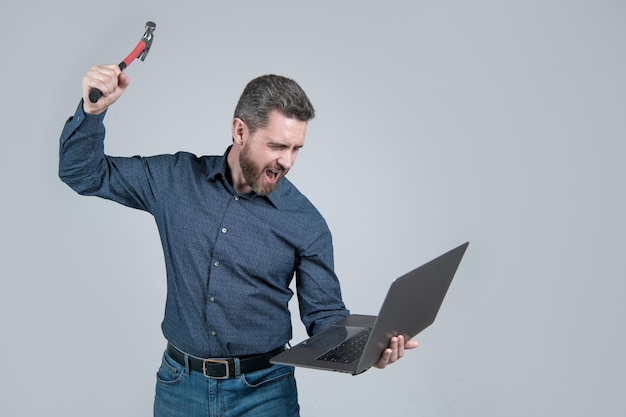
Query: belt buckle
{"points": [[222, 361]]}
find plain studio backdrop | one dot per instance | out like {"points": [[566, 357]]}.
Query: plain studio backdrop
{"points": [[498, 122]]}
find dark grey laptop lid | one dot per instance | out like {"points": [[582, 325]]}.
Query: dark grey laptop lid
{"points": [[412, 303]]}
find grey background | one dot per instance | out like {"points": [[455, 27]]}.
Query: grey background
{"points": [[497, 122]]}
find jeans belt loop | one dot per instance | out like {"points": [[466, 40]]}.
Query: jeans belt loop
{"points": [[237, 367], [187, 364]]}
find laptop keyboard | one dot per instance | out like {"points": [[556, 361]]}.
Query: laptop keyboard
{"points": [[349, 350]]}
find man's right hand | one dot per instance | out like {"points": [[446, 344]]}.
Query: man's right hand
{"points": [[110, 80]]}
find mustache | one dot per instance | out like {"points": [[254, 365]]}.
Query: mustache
{"points": [[278, 169]]}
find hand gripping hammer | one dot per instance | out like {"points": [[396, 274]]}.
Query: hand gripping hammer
{"points": [[140, 51]]}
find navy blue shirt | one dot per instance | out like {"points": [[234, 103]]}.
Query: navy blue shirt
{"points": [[229, 258]]}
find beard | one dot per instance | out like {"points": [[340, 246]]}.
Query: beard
{"points": [[255, 175]]}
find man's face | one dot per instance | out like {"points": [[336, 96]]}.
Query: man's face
{"points": [[269, 153]]}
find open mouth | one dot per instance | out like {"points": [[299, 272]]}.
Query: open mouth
{"points": [[272, 175]]}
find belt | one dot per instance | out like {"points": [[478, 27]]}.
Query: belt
{"points": [[224, 368]]}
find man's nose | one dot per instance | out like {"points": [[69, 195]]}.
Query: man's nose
{"points": [[287, 159]]}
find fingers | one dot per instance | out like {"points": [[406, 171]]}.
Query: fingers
{"points": [[397, 348], [103, 77], [384, 359], [411, 344], [395, 351], [391, 354], [111, 82], [400, 350]]}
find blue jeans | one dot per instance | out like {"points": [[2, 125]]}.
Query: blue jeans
{"points": [[181, 392]]}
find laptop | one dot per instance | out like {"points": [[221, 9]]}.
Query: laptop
{"points": [[355, 343]]}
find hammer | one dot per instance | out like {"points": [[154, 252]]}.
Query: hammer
{"points": [[140, 51]]}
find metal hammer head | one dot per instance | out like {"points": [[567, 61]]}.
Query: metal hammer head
{"points": [[147, 39]]}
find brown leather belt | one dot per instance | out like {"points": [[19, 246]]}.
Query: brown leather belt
{"points": [[224, 368]]}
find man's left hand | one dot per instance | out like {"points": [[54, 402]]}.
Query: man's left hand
{"points": [[397, 346]]}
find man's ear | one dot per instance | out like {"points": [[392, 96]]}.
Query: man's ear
{"points": [[239, 130]]}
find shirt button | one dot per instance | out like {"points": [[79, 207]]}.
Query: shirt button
{"points": [[213, 333], [224, 230], [216, 263], [236, 198], [212, 299]]}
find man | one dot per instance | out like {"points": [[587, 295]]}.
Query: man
{"points": [[234, 232]]}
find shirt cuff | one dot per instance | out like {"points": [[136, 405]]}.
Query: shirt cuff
{"points": [[82, 120]]}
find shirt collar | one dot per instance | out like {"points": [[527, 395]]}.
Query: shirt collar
{"points": [[216, 167], [216, 170]]}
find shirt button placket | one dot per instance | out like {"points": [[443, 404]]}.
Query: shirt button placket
{"points": [[224, 230]]}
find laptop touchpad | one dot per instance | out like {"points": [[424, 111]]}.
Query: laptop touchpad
{"points": [[332, 336]]}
